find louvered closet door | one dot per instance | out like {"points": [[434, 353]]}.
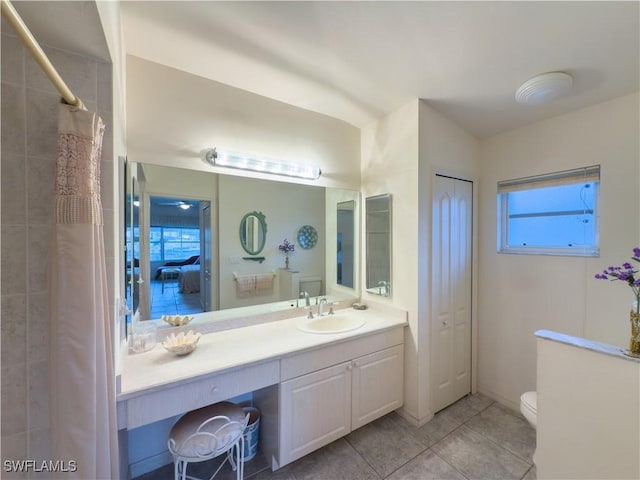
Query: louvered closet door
{"points": [[451, 290]]}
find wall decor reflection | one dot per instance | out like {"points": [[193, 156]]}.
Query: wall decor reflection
{"points": [[307, 236], [253, 232], [286, 247]]}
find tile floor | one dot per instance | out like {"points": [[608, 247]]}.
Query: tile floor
{"points": [[475, 438], [171, 301]]}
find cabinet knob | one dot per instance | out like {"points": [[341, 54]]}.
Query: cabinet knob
{"points": [[444, 322], [214, 389], [349, 367]]}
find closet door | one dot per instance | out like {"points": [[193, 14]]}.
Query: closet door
{"points": [[451, 290]]}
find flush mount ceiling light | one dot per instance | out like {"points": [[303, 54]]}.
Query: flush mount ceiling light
{"points": [[225, 158], [544, 88]]}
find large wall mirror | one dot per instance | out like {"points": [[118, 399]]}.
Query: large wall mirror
{"points": [[378, 244], [190, 256]]}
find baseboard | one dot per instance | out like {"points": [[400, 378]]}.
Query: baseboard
{"points": [[412, 419], [150, 464], [484, 390]]}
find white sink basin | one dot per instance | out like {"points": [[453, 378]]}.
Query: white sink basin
{"points": [[330, 324]]}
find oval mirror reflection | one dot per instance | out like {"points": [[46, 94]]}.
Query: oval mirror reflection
{"points": [[253, 232]]}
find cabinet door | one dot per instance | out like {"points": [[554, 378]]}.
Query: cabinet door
{"points": [[315, 410], [377, 385]]}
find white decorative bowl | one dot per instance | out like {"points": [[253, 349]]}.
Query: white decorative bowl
{"points": [[177, 320], [182, 344]]}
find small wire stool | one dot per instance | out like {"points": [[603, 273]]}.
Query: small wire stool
{"points": [[207, 433]]}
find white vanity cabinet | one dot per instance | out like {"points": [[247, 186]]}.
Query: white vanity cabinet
{"points": [[315, 410], [377, 385], [320, 407]]}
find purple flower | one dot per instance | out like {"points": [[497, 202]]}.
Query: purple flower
{"points": [[286, 246], [624, 273]]}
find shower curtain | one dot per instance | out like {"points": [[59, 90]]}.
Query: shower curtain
{"points": [[82, 403]]}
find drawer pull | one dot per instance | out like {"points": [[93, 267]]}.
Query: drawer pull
{"points": [[214, 389]]}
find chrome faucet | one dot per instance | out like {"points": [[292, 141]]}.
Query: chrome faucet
{"points": [[305, 295], [321, 303], [383, 287]]}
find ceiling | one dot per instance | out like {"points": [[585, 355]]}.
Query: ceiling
{"points": [[358, 61], [69, 25]]}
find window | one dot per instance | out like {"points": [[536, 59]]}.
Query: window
{"points": [[173, 243], [553, 214], [133, 242]]}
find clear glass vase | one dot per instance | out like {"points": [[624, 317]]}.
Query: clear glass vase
{"points": [[634, 342]]}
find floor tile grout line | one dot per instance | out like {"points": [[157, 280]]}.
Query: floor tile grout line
{"points": [[494, 441], [363, 458], [426, 449], [517, 455], [408, 461], [457, 470], [527, 472], [464, 423], [500, 446]]}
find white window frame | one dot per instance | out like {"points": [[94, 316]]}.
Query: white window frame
{"points": [[566, 177]]}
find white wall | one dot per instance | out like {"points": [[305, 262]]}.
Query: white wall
{"points": [[400, 153], [519, 294], [447, 149], [587, 410], [390, 165], [114, 90], [173, 116]]}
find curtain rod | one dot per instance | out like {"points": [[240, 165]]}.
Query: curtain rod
{"points": [[11, 16]]}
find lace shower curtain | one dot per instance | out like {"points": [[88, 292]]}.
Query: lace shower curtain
{"points": [[83, 408]]}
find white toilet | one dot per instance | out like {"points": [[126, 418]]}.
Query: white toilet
{"points": [[529, 407]]}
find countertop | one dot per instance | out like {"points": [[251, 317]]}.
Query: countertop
{"points": [[587, 344], [239, 347]]}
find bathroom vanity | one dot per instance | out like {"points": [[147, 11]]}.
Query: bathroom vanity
{"points": [[311, 388]]}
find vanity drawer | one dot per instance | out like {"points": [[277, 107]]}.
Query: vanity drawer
{"points": [[313, 360], [157, 405]]}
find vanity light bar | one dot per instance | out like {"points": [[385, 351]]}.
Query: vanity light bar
{"points": [[262, 164]]}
